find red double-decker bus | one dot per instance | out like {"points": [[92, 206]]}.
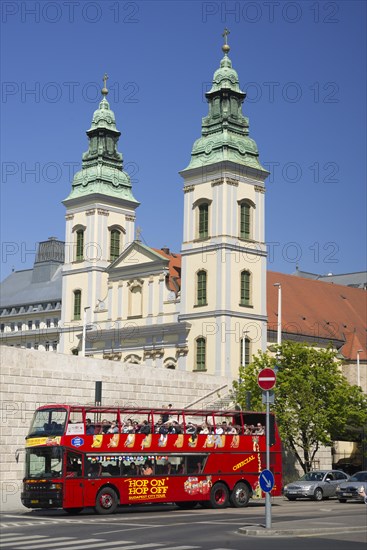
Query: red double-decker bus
{"points": [[102, 457]]}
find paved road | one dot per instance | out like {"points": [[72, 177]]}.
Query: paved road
{"points": [[168, 528]]}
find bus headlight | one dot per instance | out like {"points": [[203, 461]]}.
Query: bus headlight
{"points": [[56, 486]]}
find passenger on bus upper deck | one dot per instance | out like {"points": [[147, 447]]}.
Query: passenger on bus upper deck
{"points": [[113, 429], [89, 427], [145, 428], [190, 428]]}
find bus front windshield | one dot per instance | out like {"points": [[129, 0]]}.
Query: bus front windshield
{"points": [[48, 422], [43, 462]]}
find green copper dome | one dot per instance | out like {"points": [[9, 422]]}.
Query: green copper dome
{"points": [[225, 76], [224, 134], [103, 117], [102, 166]]}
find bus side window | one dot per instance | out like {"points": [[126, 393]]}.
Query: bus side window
{"points": [[73, 465]]}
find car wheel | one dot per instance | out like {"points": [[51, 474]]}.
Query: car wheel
{"points": [[219, 496], [318, 494], [240, 495], [291, 498], [342, 500], [107, 501]]}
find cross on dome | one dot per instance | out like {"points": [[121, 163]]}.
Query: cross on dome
{"points": [[104, 89], [225, 47]]}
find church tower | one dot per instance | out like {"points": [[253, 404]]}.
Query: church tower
{"points": [[223, 293], [100, 223]]}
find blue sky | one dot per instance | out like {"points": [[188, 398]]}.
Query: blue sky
{"points": [[302, 65]]}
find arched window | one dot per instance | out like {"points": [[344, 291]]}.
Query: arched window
{"points": [[201, 288], [245, 347], [245, 220], [200, 354], [79, 256], [77, 304], [245, 299], [114, 244], [203, 220]]}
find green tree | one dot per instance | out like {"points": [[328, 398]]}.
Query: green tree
{"points": [[314, 403]]}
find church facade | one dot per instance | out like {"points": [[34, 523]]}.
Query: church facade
{"points": [[192, 310], [103, 293]]}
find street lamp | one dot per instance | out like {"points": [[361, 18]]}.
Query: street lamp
{"points": [[84, 330], [358, 368], [279, 327]]}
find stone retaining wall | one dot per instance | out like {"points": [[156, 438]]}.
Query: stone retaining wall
{"points": [[32, 378]]}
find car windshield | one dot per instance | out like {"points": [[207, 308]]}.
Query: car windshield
{"points": [[43, 462], [359, 476], [313, 476]]}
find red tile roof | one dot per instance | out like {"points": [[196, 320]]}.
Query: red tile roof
{"points": [[320, 310], [310, 308], [174, 277]]}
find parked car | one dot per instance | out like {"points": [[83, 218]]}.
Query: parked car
{"points": [[316, 485], [349, 489]]}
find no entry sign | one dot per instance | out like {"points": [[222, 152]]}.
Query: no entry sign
{"points": [[266, 379]]}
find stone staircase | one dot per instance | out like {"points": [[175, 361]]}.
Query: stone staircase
{"points": [[219, 399]]}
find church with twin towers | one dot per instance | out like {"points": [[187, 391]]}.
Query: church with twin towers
{"points": [[151, 306], [103, 293]]}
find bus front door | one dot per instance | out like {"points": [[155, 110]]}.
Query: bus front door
{"points": [[73, 482]]}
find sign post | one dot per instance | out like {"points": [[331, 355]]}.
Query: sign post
{"points": [[266, 380]]}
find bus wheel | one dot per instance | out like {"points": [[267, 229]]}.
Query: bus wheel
{"points": [[240, 495], [73, 511], [186, 505], [219, 496], [107, 501]]}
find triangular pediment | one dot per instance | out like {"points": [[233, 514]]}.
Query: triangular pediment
{"points": [[137, 259]]}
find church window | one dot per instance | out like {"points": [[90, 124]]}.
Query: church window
{"points": [[245, 220], [79, 245], [203, 220], [245, 288], [200, 353], [201, 288], [114, 244], [77, 304], [245, 347]]}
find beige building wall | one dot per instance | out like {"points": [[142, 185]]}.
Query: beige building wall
{"points": [[89, 275]]}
